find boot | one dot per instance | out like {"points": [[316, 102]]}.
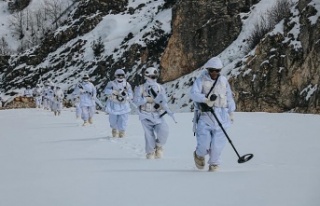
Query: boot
{"points": [[122, 134], [150, 155], [85, 123], [159, 152], [213, 168], [199, 161], [114, 132], [90, 120]]}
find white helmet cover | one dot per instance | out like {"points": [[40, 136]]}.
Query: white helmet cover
{"points": [[119, 71], [214, 62]]}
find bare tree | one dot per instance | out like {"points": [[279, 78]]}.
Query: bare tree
{"points": [[40, 21], [273, 16], [54, 9], [4, 47], [30, 26], [17, 23], [279, 11]]}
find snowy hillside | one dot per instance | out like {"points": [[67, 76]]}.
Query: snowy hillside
{"points": [[113, 30], [137, 24]]}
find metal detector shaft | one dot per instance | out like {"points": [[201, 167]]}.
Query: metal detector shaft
{"points": [[224, 131], [242, 159]]}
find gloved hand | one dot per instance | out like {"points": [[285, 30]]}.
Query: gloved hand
{"points": [[231, 117], [209, 102], [149, 99], [120, 98], [115, 92], [213, 97], [123, 93]]}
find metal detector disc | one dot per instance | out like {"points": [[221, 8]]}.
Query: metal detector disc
{"points": [[245, 158]]}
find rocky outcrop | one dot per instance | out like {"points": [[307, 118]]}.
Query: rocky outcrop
{"points": [[283, 74], [20, 102], [18, 5], [201, 29]]}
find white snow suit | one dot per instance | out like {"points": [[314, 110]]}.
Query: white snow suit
{"points": [[38, 95], [119, 94], [210, 137], [156, 130], [76, 103], [48, 93], [87, 93], [58, 100]]}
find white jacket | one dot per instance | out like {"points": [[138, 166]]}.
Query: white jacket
{"points": [[119, 94], [151, 110], [87, 93], [222, 89]]}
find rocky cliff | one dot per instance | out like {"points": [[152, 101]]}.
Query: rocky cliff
{"points": [[200, 29], [282, 74]]}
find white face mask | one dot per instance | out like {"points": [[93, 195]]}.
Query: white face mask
{"points": [[150, 81]]}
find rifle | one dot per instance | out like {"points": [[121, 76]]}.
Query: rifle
{"points": [[80, 86], [98, 102], [165, 107]]}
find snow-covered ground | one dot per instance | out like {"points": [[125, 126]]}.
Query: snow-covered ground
{"points": [[49, 161]]}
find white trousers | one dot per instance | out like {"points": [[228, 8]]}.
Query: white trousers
{"points": [[38, 101], [154, 134], [57, 106], [118, 122], [78, 110], [87, 112], [210, 140], [46, 103]]}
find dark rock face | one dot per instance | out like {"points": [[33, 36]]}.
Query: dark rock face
{"points": [[201, 29], [18, 5], [284, 73]]}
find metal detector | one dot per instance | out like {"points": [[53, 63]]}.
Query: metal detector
{"points": [[242, 159]]}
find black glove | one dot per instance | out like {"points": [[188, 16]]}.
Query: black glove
{"points": [[213, 97], [157, 106], [120, 98]]}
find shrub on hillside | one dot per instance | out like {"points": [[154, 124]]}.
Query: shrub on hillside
{"points": [[267, 22]]}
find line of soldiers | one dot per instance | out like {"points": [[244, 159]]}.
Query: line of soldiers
{"points": [[213, 102], [213, 109], [49, 97]]}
